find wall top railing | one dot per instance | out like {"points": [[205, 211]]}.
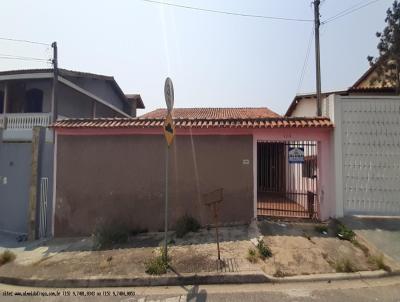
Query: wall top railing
{"points": [[24, 120]]}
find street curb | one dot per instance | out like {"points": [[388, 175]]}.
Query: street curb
{"points": [[335, 276], [187, 279], [191, 279]]}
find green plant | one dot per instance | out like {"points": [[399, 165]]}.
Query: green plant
{"points": [[345, 233], [156, 266], [7, 256], [321, 228], [106, 236], [186, 224], [252, 255], [345, 266], [379, 262], [263, 250]]}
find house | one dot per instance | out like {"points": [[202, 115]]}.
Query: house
{"points": [[306, 104], [266, 164], [30, 100], [366, 144]]}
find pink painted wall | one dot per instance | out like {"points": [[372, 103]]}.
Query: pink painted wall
{"points": [[323, 136]]}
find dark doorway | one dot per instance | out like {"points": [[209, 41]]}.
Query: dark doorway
{"points": [[271, 167], [34, 100]]}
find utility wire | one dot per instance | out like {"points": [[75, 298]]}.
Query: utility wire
{"points": [[228, 12], [348, 11], [12, 57], [23, 41], [303, 70]]}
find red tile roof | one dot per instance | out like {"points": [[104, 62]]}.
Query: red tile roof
{"points": [[213, 113], [202, 118]]}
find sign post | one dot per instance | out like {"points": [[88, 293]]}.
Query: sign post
{"points": [[212, 199], [169, 133]]}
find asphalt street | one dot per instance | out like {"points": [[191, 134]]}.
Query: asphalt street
{"points": [[384, 289]]}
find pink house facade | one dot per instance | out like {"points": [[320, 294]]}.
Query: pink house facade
{"points": [[110, 170]]}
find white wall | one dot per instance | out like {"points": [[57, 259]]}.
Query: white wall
{"points": [[307, 107], [367, 155]]}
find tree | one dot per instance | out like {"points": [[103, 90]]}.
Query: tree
{"points": [[387, 63]]}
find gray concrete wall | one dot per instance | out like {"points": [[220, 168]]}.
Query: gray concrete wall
{"points": [[15, 166], [121, 179], [15, 161], [100, 88], [72, 103], [104, 111]]}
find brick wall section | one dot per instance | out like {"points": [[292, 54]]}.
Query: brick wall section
{"points": [[121, 179]]}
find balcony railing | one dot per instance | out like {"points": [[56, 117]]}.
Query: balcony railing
{"points": [[23, 121]]}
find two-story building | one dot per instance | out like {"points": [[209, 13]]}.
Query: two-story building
{"points": [[29, 101]]}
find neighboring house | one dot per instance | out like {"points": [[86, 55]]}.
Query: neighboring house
{"points": [[266, 164], [366, 145], [304, 105], [28, 99]]}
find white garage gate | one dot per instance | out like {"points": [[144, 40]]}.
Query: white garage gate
{"points": [[367, 155]]}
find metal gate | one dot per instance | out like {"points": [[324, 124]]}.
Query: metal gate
{"points": [[44, 185], [287, 177]]}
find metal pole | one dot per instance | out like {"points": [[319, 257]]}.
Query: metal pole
{"points": [[216, 230], [317, 56], [55, 82], [165, 256]]}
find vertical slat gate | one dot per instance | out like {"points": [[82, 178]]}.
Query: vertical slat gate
{"points": [[287, 189], [44, 186]]}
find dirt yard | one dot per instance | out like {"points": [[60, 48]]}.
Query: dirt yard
{"points": [[299, 249], [195, 253]]}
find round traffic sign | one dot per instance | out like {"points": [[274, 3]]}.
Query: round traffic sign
{"points": [[169, 94]]}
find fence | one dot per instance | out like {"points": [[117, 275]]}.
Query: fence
{"points": [[24, 120], [287, 176]]}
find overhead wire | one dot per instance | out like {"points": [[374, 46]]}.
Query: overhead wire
{"points": [[303, 70], [23, 41], [13, 57], [348, 11], [228, 12]]}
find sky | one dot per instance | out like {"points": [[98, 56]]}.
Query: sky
{"points": [[213, 60]]}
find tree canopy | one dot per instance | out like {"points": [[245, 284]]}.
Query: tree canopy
{"points": [[388, 61]]}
